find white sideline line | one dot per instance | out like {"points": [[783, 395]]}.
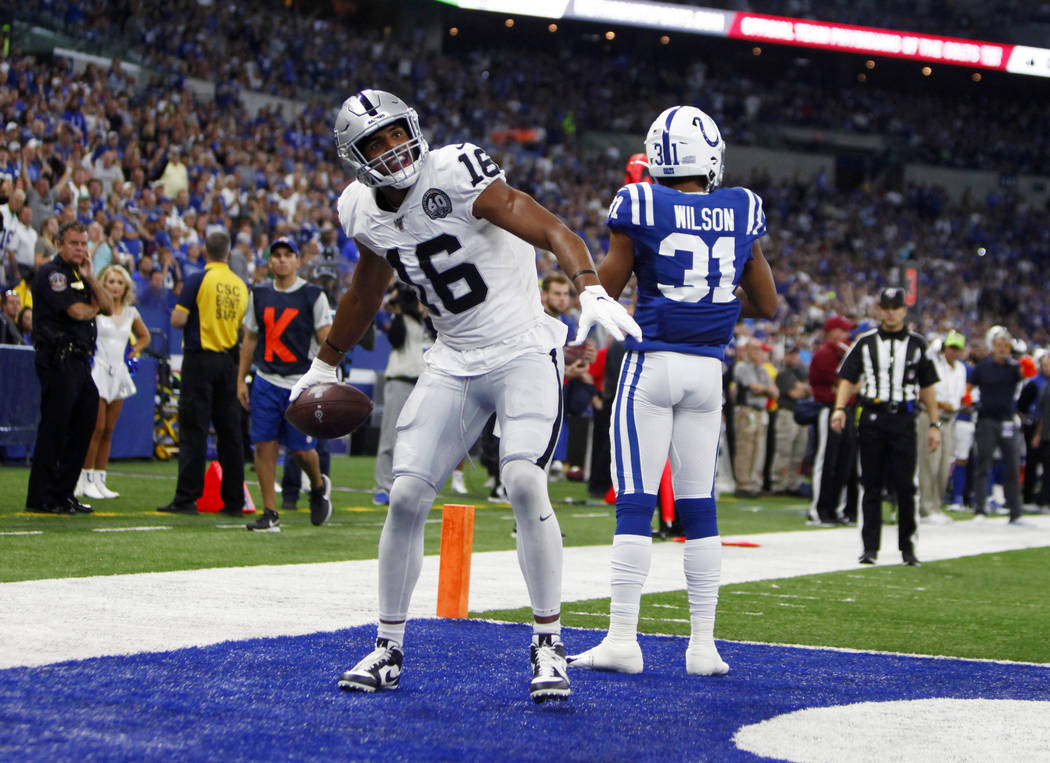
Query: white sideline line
{"points": [[130, 529], [23, 532], [48, 621]]}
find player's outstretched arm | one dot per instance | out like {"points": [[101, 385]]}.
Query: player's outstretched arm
{"points": [[757, 292], [520, 214], [357, 307]]}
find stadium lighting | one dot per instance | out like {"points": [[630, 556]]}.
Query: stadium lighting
{"points": [[926, 71], [665, 40], [782, 30], [552, 28]]}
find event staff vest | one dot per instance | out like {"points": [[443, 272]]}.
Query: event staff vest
{"points": [[286, 326]]}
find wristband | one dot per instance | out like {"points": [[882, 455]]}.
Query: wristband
{"points": [[935, 424], [580, 273], [341, 352], [840, 409]]}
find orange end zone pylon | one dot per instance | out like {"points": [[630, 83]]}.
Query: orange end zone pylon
{"points": [[457, 545]]}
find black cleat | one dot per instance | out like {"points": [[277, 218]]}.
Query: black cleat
{"points": [[909, 558], [76, 507], [868, 557], [178, 508], [269, 522], [321, 502]]}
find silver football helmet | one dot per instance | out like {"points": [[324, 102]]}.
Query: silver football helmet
{"points": [[685, 142], [363, 114]]}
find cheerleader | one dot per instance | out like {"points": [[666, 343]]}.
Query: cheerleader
{"points": [[111, 376]]}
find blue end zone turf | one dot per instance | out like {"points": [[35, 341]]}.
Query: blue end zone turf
{"points": [[464, 695]]}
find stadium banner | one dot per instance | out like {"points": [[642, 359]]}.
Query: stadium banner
{"points": [[782, 30]]}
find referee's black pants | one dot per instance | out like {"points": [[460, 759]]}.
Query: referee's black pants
{"points": [[68, 409], [887, 459], [208, 395]]}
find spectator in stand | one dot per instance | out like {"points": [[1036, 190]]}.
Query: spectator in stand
{"points": [[754, 390], [10, 333], [25, 323], [112, 376], [835, 461], [935, 466], [997, 378], [791, 437], [99, 250]]}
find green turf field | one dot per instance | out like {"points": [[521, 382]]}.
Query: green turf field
{"points": [[990, 606]]}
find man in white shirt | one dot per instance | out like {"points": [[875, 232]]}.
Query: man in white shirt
{"points": [[935, 466]]}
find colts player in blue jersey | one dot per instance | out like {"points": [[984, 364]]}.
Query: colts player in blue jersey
{"points": [[694, 249]]}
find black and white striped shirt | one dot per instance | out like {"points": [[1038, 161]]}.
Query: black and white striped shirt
{"points": [[891, 367]]}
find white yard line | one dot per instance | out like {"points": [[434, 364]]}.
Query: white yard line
{"points": [[47, 621]]}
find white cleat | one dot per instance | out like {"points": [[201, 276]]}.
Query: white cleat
{"points": [[619, 657], [704, 661]]}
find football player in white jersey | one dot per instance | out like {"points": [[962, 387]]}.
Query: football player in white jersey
{"points": [[448, 224], [694, 248]]}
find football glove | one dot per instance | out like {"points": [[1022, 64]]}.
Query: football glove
{"points": [[319, 373], [596, 306]]}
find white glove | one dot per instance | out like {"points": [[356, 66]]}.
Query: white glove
{"points": [[596, 306], [319, 373]]}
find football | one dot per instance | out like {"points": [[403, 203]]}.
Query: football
{"points": [[329, 410]]}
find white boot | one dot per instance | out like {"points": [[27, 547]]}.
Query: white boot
{"points": [[90, 487], [458, 485], [78, 491], [100, 485]]}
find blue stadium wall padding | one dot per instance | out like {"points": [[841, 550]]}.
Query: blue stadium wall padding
{"points": [[133, 437], [19, 396]]}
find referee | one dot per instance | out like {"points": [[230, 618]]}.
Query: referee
{"points": [[209, 312], [889, 370]]}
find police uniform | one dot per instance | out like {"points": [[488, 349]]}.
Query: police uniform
{"points": [[891, 367], [68, 396], [215, 300]]}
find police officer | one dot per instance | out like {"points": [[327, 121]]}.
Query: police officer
{"points": [[209, 311], [890, 371], [66, 299]]}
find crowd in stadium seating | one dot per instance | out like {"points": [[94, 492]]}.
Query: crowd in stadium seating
{"points": [[155, 167], [235, 47]]}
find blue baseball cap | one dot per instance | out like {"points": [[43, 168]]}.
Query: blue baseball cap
{"points": [[286, 242]]}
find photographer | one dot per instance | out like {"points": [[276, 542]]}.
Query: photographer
{"points": [[406, 330]]}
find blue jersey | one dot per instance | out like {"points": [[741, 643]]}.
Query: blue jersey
{"points": [[690, 250]]}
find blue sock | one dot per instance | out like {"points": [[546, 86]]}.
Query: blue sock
{"points": [[958, 484]]}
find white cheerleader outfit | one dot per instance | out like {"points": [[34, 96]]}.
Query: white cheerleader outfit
{"points": [[109, 371]]}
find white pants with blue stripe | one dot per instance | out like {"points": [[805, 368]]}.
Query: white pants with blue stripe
{"points": [[667, 404]]}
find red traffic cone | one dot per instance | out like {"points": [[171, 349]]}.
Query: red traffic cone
{"points": [[210, 501], [610, 496]]}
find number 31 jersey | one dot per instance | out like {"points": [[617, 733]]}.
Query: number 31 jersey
{"points": [[477, 280], [690, 250]]}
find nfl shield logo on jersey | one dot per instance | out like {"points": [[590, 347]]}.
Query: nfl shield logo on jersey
{"points": [[436, 204]]}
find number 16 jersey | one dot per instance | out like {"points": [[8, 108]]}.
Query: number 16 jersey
{"points": [[477, 280], [690, 250]]}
